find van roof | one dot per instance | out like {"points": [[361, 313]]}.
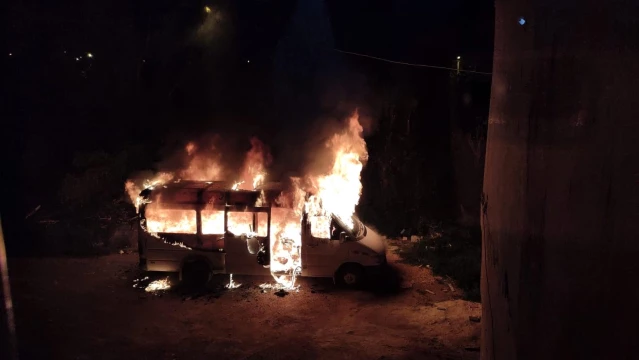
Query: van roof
{"points": [[197, 192], [214, 185]]}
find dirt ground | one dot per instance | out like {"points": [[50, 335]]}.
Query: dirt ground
{"points": [[87, 308]]}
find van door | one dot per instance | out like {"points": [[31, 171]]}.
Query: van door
{"points": [[321, 252]]}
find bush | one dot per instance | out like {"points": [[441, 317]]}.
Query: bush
{"points": [[92, 215], [450, 251]]}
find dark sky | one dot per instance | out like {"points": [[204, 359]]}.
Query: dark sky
{"points": [[163, 71]]}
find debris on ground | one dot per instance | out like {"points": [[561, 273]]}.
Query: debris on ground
{"points": [[141, 282], [452, 289], [430, 292], [267, 286], [406, 285], [474, 318], [441, 308]]}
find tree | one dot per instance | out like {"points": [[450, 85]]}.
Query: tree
{"points": [[560, 204]]}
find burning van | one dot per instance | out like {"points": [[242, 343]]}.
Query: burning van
{"points": [[198, 228]]}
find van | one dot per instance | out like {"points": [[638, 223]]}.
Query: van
{"points": [[198, 229]]}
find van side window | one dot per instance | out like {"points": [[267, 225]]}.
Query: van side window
{"points": [[320, 226]]}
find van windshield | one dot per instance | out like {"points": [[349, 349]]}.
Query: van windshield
{"points": [[357, 232]]}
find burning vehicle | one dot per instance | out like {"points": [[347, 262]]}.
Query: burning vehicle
{"points": [[250, 227], [199, 228]]}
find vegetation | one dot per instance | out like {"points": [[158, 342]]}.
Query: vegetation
{"points": [[450, 251], [91, 214]]}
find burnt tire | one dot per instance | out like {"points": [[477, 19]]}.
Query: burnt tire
{"points": [[195, 274], [350, 276]]}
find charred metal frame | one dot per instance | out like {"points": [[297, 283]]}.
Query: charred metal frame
{"points": [[200, 204]]}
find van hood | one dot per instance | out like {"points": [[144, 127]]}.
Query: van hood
{"points": [[374, 242]]}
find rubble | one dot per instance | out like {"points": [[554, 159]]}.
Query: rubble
{"points": [[474, 318]]}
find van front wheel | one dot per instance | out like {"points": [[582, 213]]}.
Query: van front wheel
{"points": [[350, 275]]}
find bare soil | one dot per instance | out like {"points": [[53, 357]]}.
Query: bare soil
{"points": [[87, 308]]}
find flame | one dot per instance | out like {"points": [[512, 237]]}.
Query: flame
{"points": [[232, 284], [339, 191], [190, 148], [335, 192], [157, 285], [236, 186], [255, 163], [177, 221], [212, 221], [286, 245], [203, 165], [134, 188]]}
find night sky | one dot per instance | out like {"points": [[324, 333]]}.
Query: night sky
{"points": [[83, 76]]}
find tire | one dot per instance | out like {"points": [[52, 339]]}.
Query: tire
{"points": [[350, 276], [195, 274]]}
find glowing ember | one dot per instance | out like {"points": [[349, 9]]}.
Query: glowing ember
{"points": [[158, 285], [232, 284]]}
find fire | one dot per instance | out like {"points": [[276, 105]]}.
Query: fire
{"points": [[334, 192], [339, 191], [157, 285], [134, 188], [254, 170], [236, 186], [232, 284], [159, 220], [212, 221], [178, 221], [202, 165]]}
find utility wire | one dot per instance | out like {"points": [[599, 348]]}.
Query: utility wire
{"points": [[409, 64]]}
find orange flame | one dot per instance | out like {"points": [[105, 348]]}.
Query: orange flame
{"points": [[339, 191], [254, 171], [202, 167], [133, 188]]}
